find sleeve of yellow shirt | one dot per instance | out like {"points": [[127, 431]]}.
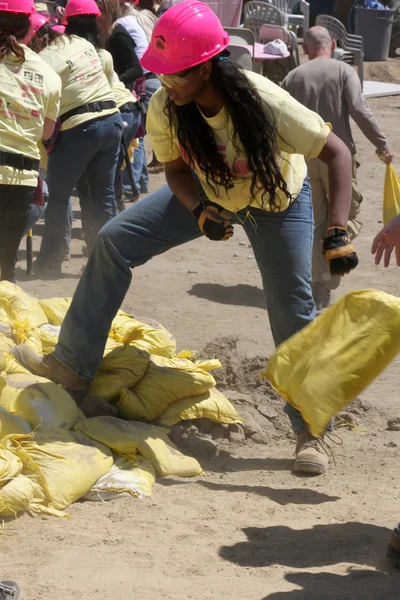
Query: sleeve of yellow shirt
{"points": [[107, 63], [159, 130], [300, 130], [53, 106]]}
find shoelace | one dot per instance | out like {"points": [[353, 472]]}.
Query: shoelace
{"points": [[324, 446]]}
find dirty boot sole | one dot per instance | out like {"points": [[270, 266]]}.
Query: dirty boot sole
{"points": [[9, 590], [309, 467]]}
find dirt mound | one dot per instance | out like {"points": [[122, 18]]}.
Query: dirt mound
{"points": [[387, 71]]}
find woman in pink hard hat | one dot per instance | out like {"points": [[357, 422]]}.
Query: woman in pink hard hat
{"points": [[29, 104], [233, 145], [88, 140]]}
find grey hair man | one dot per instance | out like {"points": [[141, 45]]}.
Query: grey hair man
{"points": [[332, 89]]}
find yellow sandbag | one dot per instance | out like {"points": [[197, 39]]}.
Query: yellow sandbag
{"points": [[128, 476], [327, 364], [25, 306], [5, 326], [49, 337], [39, 401], [166, 380], [149, 336], [122, 367], [129, 437], [65, 464], [212, 405], [55, 309], [391, 195], [21, 493], [10, 466], [11, 424], [5, 346]]}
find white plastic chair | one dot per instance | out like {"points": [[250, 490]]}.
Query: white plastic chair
{"points": [[241, 56], [269, 33], [352, 45], [260, 13], [295, 21], [238, 36]]}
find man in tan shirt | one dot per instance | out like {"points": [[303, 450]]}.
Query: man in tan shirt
{"points": [[332, 89]]}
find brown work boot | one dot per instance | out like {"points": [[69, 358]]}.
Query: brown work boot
{"points": [[311, 456], [49, 367]]}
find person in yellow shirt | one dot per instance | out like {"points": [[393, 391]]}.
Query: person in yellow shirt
{"points": [[89, 136], [29, 104], [233, 145]]}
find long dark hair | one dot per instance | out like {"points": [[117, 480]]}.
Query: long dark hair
{"points": [[13, 29], [44, 37], [253, 133], [85, 26]]}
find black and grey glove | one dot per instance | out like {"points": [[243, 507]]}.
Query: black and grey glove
{"points": [[338, 251], [214, 221]]}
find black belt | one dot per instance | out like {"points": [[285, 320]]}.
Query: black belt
{"points": [[92, 107], [150, 76], [18, 161], [128, 107]]}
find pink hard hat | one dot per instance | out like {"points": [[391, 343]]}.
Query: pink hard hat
{"points": [[25, 7], [37, 21], [76, 8], [58, 28], [187, 35]]}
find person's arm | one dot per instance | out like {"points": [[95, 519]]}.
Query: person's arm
{"points": [[336, 155], [387, 239], [48, 128], [129, 68], [60, 8], [361, 113]]}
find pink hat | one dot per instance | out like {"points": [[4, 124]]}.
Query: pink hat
{"points": [[26, 7], [58, 28], [187, 35], [75, 8]]}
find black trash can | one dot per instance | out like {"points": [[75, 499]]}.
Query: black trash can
{"points": [[375, 26]]}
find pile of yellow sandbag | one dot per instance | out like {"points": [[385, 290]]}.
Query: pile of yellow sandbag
{"points": [[50, 455]]}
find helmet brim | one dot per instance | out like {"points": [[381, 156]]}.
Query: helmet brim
{"points": [[155, 64]]}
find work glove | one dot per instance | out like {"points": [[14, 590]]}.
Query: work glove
{"points": [[214, 221], [338, 251]]}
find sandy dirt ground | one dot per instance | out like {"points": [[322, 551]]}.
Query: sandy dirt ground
{"points": [[250, 529]]}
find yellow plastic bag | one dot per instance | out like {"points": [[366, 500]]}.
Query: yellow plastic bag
{"points": [[5, 346], [11, 424], [10, 466], [212, 405], [21, 493], [39, 401], [24, 307], [122, 367], [322, 368], [55, 309], [147, 335], [391, 195], [129, 437], [65, 464], [166, 380], [49, 337], [128, 476]]}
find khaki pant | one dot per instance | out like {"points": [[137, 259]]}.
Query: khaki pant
{"points": [[318, 174]]}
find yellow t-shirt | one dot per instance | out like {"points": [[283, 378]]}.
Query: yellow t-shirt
{"points": [[83, 80], [122, 94], [29, 93], [107, 64], [301, 133]]}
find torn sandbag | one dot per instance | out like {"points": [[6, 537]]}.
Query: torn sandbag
{"points": [[133, 476]]}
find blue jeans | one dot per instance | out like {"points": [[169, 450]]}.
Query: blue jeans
{"points": [[132, 120], [140, 173], [92, 147], [282, 244]]}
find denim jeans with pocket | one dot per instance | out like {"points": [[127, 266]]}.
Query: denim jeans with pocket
{"points": [[282, 244], [92, 147]]}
